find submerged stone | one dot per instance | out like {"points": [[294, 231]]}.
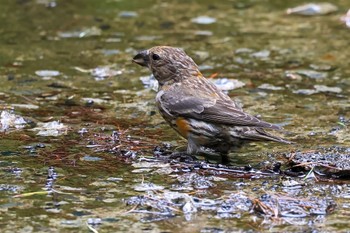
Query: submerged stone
{"points": [[321, 67], [47, 73], [305, 91], [310, 73], [267, 86], [91, 158], [323, 88], [204, 20], [147, 187], [226, 84], [84, 32], [128, 14], [53, 128], [311, 9], [261, 54]]}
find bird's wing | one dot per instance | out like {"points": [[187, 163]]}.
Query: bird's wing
{"points": [[210, 110]]}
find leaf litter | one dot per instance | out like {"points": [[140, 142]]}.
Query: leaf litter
{"points": [[195, 181]]}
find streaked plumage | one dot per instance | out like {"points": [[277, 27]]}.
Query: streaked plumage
{"points": [[196, 108]]}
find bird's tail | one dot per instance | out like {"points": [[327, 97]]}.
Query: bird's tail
{"points": [[258, 134]]}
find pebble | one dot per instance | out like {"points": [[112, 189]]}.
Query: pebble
{"points": [[203, 20]]}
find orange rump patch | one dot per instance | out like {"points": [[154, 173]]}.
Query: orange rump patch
{"points": [[182, 126]]}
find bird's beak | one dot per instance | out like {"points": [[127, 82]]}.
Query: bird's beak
{"points": [[141, 58]]}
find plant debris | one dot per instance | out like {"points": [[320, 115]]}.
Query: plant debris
{"points": [[333, 161]]}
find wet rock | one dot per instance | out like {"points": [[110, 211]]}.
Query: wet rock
{"points": [[47, 3], [318, 89], [28, 106], [114, 179], [312, 74], [203, 33], [101, 72], [296, 74], [293, 76], [201, 55], [128, 14], [144, 164], [204, 204], [17, 171], [267, 86], [147, 38], [110, 200], [321, 67], [91, 101], [242, 61], [195, 180], [212, 230], [240, 5], [70, 223], [163, 150], [323, 88], [291, 184], [53, 128], [291, 207], [311, 9], [147, 187], [261, 54], [142, 170], [47, 73], [150, 82], [235, 202], [203, 20], [205, 67], [189, 208], [91, 158], [68, 188], [84, 32], [164, 171], [101, 184], [10, 121], [109, 52], [82, 131], [243, 50], [10, 188], [305, 91], [113, 40], [225, 84], [94, 221]]}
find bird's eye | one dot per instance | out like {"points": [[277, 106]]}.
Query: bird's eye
{"points": [[155, 57]]}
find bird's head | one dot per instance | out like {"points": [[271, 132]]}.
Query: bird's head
{"points": [[167, 63]]}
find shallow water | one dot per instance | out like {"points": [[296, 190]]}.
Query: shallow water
{"points": [[296, 72]]}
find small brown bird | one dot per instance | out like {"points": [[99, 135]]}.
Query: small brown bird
{"points": [[196, 108]]}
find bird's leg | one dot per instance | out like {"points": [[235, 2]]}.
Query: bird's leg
{"points": [[172, 155], [224, 158], [215, 155], [192, 149], [188, 156]]}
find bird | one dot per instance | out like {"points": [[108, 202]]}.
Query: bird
{"points": [[192, 105]]}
